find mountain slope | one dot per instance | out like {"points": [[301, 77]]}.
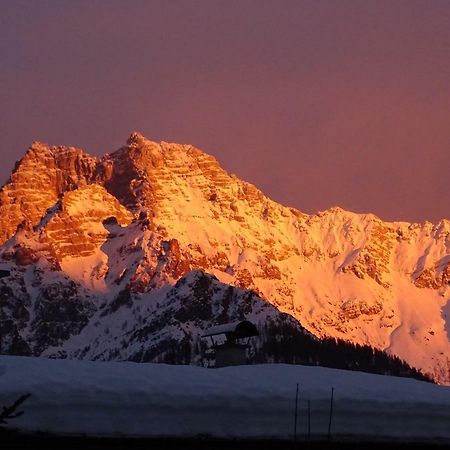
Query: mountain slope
{"points": [[166, 209]]}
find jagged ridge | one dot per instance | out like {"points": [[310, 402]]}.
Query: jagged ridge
{"points": [[341, 274]]}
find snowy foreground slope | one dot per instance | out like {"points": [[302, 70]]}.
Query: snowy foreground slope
{"points": [[154, 400]]}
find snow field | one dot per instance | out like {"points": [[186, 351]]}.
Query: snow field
{"points": [[156, 400]]}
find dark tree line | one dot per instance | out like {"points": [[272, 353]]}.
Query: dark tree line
{"points": [[286, 344]]}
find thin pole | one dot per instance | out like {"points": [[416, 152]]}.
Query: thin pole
{"points": [[309, 420], [295, 415], [331, 413]]}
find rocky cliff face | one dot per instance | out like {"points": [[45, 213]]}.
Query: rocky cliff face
{"points": [[38, 180], [129, 225]]}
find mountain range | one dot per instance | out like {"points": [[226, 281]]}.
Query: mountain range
{"points": [[133, 254]]}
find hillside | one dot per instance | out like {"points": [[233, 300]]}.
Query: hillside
{"points": [[95, 244]]}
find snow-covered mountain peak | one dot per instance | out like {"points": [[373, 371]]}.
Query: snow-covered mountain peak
{"points": [[136, 138], [345, 275]]}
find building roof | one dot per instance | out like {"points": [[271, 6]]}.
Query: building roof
{"points": [[235, 330], [4, 273]]}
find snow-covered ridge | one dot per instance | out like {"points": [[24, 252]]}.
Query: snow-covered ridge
{"points": [[340, 274], [156, 400]]}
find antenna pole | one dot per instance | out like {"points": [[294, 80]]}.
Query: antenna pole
{"points": [[295, 414], [331, 413], [309, 420]]}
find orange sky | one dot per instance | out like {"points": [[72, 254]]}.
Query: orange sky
{"points": [[318, 103]]}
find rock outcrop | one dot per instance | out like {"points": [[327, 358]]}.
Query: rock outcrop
{"points": [[37, 181]]}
